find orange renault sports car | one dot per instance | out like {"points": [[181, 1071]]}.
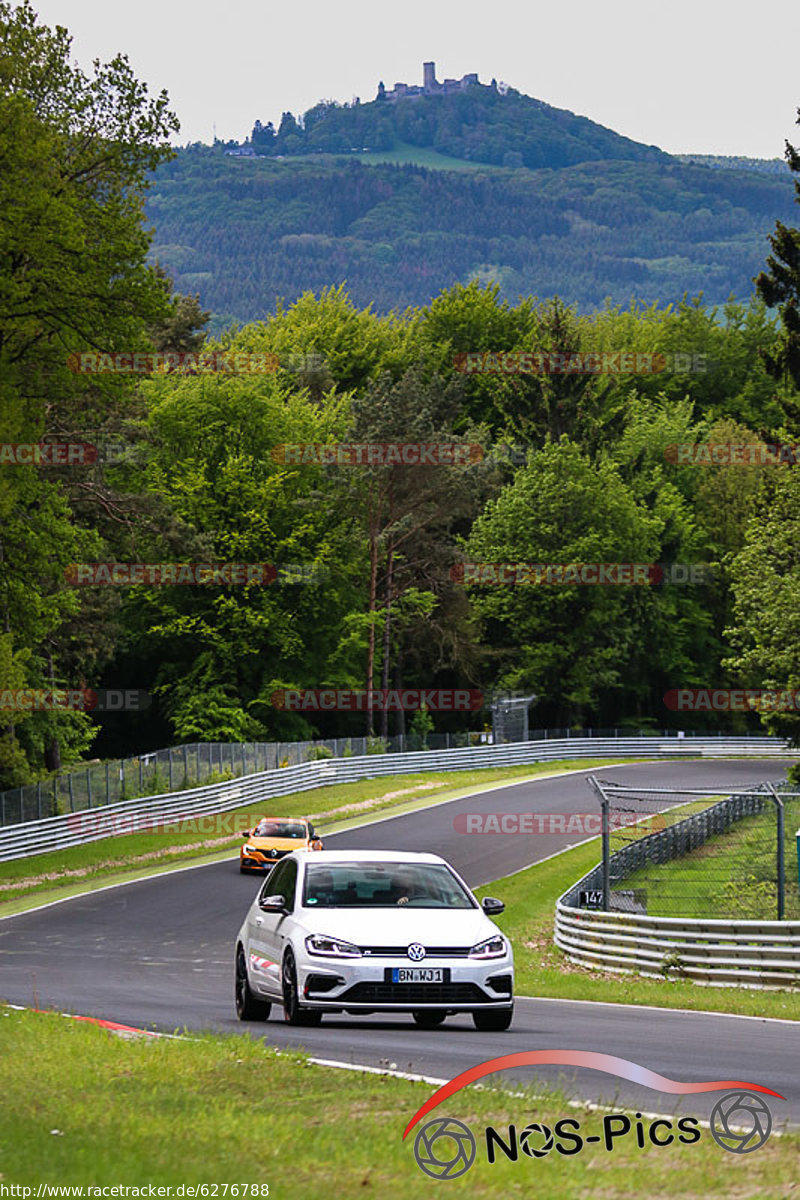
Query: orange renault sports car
{"points": [[271, 838]]}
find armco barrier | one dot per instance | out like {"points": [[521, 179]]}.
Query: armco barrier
{"points": [[763, 954], [53, 833], [727, 952]]}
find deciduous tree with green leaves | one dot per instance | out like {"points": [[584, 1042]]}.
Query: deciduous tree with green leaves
{"points": [[765, 582], [75, 155]]}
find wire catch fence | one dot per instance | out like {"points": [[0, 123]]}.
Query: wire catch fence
{"points": [[689, 853]]}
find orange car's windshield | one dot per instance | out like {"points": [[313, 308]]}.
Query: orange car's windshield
{"points": [[281, 829]]}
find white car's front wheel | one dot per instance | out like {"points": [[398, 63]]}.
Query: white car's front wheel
{"points": [[492, 1020], [429, 1018], [248, 1006], [294, 1012]]}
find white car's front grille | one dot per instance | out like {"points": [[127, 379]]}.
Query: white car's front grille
{"points": [[402, 951]]}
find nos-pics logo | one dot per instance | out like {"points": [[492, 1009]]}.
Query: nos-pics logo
{"points": [[445, 1148]]}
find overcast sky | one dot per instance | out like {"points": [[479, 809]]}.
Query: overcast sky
{"points": [[702, 76]]}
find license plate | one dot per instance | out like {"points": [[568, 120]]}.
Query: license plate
{"points": [[417, 975]]}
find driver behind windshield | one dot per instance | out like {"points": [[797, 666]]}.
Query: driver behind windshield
{"points": [[266, 828], [406, 887]]}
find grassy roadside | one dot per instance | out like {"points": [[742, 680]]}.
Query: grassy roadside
{"points": [[543, 970], [228, 1109], [182, 842]]}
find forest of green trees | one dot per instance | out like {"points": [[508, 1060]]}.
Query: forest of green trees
{"points": [[241, 232], [574, 468]]}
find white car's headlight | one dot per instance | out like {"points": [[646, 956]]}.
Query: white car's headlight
{"points": [[319, 943], [493, 947]]}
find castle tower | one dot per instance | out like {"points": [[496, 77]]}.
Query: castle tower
{"points": [[429, 76]]}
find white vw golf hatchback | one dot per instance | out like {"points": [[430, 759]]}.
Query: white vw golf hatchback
{"points": [[365, 931]]}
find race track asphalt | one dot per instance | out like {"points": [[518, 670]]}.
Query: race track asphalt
{"points": [[158, 954]]}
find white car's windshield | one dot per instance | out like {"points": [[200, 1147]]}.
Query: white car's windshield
{"points": [[280, 829], [383, 885]]}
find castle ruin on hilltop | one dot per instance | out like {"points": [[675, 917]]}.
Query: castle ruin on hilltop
{"points": [[431, 86]]}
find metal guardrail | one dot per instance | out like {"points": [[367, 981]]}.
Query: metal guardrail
{"points": [[194, 764], [729, 952], [73, 829], [763, 954]]}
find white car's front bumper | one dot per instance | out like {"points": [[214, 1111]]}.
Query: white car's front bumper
{"points": [[367, 984]]}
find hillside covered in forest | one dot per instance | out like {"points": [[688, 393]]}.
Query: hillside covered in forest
{"points": [[242, 232]]}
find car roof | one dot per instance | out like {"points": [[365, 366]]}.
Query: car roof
{"points": [[367, 856], [302, 820]]}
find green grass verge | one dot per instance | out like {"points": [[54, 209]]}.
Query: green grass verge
{"points": [[78, 868], [544, 970], [82, 1106], [732, 875]]}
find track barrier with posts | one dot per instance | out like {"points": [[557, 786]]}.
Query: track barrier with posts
{"points": [[20, 839], [180, 768], [689, 884]]}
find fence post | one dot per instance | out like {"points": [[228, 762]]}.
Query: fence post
{"points": [[88, 788], [605, 839], [780, 849], [170, 769], [781, 864], [71, 797], [38, 799]]}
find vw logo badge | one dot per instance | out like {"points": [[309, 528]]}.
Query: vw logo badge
{"points": [[416, 952]]}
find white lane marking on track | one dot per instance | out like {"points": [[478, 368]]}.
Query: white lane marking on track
{"points": [[343, 1066], [692, 1012]]}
